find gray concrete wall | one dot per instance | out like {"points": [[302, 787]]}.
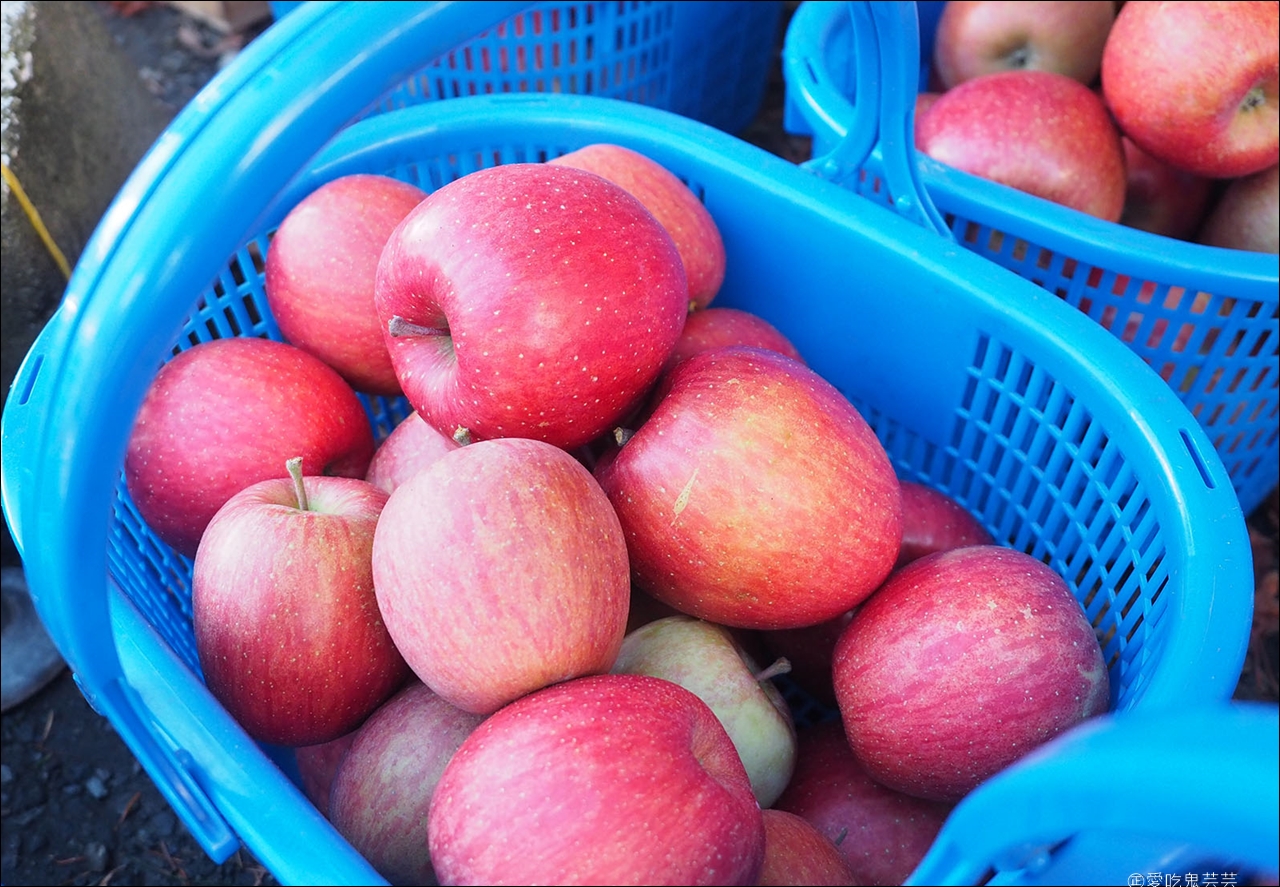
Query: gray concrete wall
{"points": [[77, 121]]}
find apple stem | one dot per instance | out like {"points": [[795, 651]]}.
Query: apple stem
{"points": [[462, 436], [294, 467], [782, 666], [622, 435], [844, 833], [398, 326]]}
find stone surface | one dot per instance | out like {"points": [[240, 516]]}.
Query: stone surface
{"points": [[78, 119]]}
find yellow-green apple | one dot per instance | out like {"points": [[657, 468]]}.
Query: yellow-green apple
{"points": [[797, 854], [810, 650], [320, 272], [1247, 215], [228, 413], [933, 521], [382, 791], [1197, 84], [1159, 197], [755, 495], [1036, 131], [285, 620], [962, 662], [671, 202], [718, 327], [316, 766], [530, 300], [501, 568], [706, 659], [411, 446], [608, 779], [976, 37], [881, 833]]}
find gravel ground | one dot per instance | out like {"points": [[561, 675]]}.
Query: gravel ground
{"points": [[76, 806]]}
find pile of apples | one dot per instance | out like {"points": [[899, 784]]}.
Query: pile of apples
{"points": [[1160, 116], [521, 639]]}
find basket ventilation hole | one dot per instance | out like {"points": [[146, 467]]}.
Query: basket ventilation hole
{"points": [[28, 383], [1196, 457]]}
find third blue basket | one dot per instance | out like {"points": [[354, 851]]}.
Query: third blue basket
{"points": [[1204, 318], [704, 59]]}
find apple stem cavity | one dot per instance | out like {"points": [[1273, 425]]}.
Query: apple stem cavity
{"points": [[294, 467], [398, 326], [782, 666]]}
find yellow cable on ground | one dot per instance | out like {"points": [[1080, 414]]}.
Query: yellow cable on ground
{"points": [[36, 222]]}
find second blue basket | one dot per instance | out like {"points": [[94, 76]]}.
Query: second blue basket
{"points": [[1206, 319]]}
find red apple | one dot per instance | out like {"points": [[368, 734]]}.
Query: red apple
{"points": [[530, 300], [976, 37], [285, 620], [933, 521], [796, 853], [321, 268], [500, 568], [1161, 198], [881, 833], [411, 446], [924, 101], [612, 779], [1197, 84], [1039, 132], [227, 413], [316, 766], [382, 793], [756, 495], [719, 327], [708, 660], [672, 203], [1247, 215], [961, 663]]}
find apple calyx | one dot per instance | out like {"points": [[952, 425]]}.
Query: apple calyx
{"points": [[399, 326], [462, 436], [1018, 58], [294, 467], [1256, 97], [781, 666]]}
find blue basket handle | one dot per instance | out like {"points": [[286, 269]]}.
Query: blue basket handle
{"points": [[886, 57], [1123, 791], [65, 433]]}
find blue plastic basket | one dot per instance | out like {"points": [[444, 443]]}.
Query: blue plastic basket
{"points": [[1206, 319], [1062, 441], [1193, 792], [705, 59]]}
